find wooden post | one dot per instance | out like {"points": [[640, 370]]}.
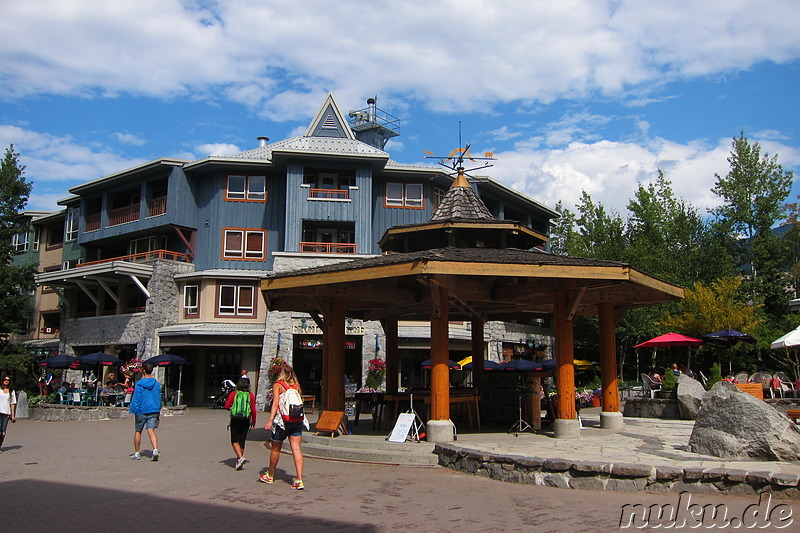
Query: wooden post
{"points": [[565, 369], [608, 358], [440, 354], [390, 328], [326, 364], [478, 348], [336, 356]]}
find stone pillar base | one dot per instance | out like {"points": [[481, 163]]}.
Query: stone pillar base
{"points": [[440, 431], [612, 420], [567, 429]]}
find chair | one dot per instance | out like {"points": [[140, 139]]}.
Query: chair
{"points": [[64, 398], [766, 382], [741, 377], [785, 385], [124, 401], [703, 378], [78, 399], [648, 385]]}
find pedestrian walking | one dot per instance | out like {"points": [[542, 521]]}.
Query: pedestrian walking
{"points": [[8, 407], [242, 405], [281, 425], [146, 406]]}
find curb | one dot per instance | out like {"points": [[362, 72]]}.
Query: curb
{"points": [[597, 475]]}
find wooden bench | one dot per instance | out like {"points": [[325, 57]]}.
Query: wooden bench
{"points": [[309, 399], [754, 389], [794, 414]]}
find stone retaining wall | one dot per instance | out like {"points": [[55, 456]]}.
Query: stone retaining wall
{"points": [[59, 413], [593, 475]]}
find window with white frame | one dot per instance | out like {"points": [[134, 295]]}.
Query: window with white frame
{"points": [[408, 195], [37, 235], [236, 300], [19, 241], [246, 188], [191, 296], [243, 243], [71, 226]]}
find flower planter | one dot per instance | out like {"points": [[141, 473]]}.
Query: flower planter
{"points": [[668, 394], [595, 401]]}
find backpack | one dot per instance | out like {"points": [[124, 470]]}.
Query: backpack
{"points": [[240, 409], [291, 404]]}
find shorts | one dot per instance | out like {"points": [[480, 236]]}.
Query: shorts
{"points": [[147, 421], [291, 429]]}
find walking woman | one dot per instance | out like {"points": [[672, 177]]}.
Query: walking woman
{"points": [[280, 428], [8, 407], [242, 405]]}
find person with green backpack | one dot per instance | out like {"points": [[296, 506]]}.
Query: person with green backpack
{"points": [[242, 405]]}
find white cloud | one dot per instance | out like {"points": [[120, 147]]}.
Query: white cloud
{"points": [[278, 56], [218, 149], [129, 138]]}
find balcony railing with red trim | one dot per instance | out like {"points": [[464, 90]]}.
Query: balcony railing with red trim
{"points": [[329, 194], [123, 215], [157, 206], [93, 222], [141, 257], [328, 247]]}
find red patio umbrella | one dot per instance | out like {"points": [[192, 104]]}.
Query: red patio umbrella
{"points": [[668, 340]]}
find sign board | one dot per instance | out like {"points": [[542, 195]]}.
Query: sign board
{"points": [[331, 422], [401, 427]]}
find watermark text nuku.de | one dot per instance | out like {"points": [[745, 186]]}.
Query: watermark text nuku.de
{"points": [[686, 514]]}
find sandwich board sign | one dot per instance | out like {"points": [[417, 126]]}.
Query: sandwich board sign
{"points": [[402, 427]]}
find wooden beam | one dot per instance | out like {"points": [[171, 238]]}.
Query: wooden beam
{"points": [[140, 285], [608, 358], [336, 356], [390, 329], [565, 368], [440, 354], [86, 290], [575, 300]]}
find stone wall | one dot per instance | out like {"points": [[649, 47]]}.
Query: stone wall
{"points": [[60, 413]]}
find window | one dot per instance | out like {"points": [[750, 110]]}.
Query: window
{"points": [[20, 242], [407, 195], [236, 300], [71, 226], [191, 296], [246, 188], [37, 235], [246, 244], [55, 236]]}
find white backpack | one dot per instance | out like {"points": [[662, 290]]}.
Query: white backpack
{"points": [[291, 404]]}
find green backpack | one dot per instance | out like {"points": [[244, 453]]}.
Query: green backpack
{"points": [[240, 409]]}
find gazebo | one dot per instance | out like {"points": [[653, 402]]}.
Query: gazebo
{"points": [[465, 265]]}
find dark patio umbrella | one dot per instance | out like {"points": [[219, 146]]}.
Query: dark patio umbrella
{"points": [[168, 359], [89, 361], [450, 363], [726, 339], [521, 365], [59, 361], [487, 365]]}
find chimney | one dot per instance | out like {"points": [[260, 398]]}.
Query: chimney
{"points": [[262, 141]]}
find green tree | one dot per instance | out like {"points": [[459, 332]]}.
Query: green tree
{"points": [[753, 193], [16, 282]]}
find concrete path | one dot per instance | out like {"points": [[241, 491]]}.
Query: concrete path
{"points": [[77, 476]]}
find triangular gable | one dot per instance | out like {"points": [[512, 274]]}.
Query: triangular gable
{"points": [[329, 121]]}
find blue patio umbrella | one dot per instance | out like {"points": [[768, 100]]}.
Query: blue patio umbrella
{"points": [[450, 363], [549, 364], [727, 338], [487, 365], [521, 365], [89, 361], [58, 361], [168, 359]]}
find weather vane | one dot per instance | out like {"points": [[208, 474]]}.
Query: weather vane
{"points": [[456, 158]]}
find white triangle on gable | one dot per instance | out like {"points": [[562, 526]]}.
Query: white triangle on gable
{"points": [[329, 118]]}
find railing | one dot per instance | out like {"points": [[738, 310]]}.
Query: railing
{"points": [[157, 206], [328, 247], [144, 256], [93, 222], [122, 215], [329, 194]]}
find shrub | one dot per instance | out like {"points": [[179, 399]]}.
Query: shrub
{"points": [[714, 377], [668, 382]]}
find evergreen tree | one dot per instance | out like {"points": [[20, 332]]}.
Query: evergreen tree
{"points": [[16, 282]]}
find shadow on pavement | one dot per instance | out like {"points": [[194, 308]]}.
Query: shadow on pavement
{"points": [[30, 505]]}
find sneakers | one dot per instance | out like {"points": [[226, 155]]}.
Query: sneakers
{"points": [[266, 478], [136, 456], [298, 484], [240, 463], [155, 455]]}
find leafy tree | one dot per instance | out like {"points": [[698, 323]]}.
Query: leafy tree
{"points": [[714, 377], [753, 193], [15, 281]]}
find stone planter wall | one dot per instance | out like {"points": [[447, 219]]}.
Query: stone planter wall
{"points": [[59, 413], [652, 408]]}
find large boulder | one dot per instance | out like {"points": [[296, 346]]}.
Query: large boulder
{"points": [[735, 425], [690, 397]]}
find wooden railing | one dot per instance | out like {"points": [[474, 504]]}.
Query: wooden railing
{"points": [[144, 256], [328, 247], [93, 222], [329, 194], [157, 206], [122, 215]]}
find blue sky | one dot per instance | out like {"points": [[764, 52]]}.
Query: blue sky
{"points": [[575, 95]]}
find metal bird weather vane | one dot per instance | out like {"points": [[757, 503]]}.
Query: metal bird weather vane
{"points": [[455, 160]]}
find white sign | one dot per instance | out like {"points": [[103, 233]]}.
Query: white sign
{"points": [[401, 427]]}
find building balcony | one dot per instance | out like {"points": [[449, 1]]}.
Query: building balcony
{"points": [[328, 194], [93, 222], [123, 215], [327, 247], [157, 206], [142, 257]]}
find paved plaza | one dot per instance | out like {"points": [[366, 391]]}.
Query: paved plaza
{"points": [[77, 475]]}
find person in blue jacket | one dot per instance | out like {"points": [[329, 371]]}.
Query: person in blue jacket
{"points": [[146, 406]]}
